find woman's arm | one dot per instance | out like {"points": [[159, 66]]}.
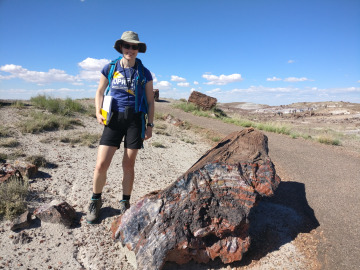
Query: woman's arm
{"points": [[151, 107], [99, 96]]}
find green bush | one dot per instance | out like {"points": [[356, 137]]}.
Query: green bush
{"points": [[158, 145], [328, 140], [4, 132], [38, 161], [42, 122], [9, 142], [13, 197], [57, 105], [85, 139], [18, 104]]}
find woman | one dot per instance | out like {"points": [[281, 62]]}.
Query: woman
{"points": [[131, 86]]}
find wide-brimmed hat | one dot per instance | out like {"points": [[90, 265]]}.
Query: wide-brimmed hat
{"points": [[131, 37]]}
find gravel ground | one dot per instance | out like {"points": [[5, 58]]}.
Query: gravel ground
{"points": [[311, 222]]}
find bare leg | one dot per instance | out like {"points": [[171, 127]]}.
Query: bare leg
{"points": [[128, 164], [104, 157]]}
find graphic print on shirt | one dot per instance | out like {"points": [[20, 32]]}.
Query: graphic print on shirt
{"points": [[119, 82]]}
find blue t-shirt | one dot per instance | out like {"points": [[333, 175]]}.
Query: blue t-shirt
{"points": [[123, 96]]}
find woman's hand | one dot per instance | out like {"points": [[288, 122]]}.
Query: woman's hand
{"points": [[100, 118], [148, 133]]}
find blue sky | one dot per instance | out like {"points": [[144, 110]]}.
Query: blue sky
{"points": [[263, 51]]}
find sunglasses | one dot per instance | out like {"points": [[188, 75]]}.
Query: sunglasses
{"points": [[128, 46]]}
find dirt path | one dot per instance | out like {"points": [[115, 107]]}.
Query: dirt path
{"points": [[329, 178]]}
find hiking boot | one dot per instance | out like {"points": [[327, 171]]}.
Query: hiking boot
{"points": [[94, 210], [124, 205]]}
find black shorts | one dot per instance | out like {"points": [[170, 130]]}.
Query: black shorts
{"points": [[119, 127]]}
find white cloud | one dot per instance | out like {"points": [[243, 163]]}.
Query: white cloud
{"points": [[358, 81], [93, 64], [294, 79], [216, 90], [184, 84], [273, 79], [163, 85], [155, 80], [177, 79], [91, 68], [39, 77], [291, 61], [222, 79], [192, 90], [196, 82]]}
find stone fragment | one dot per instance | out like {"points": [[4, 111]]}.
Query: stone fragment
{"points": [[8, 172], [174, 121], [201, 100], [204, 213], [22, 222], [156, 94], [22, 238], [26, 168], [55, 212]]}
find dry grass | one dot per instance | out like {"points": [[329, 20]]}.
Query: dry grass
{"points": [[13, 197]]}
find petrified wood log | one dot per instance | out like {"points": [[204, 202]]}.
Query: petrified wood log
{"points": [[204, 213], [156, 94], [201, 100]]}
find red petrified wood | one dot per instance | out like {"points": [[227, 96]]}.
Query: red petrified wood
{"points": [[204, 213], [201, 100]]}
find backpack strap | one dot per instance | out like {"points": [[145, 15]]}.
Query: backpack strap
{"points": [[111, 71]]}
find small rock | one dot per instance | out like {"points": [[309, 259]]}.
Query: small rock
{"points": [[22, 238], [62, 213], [22, 222]]}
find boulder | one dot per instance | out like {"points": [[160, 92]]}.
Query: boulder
{"points": [[156, 94], [204, 213], [201, 100], [56, 212]]}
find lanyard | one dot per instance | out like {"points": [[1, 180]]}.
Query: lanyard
{"points": [[128, 84]]}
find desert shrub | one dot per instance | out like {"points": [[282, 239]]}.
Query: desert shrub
{"points": [[45, 122], [9, 142], [159, 116], [90, 111], [48, 140], [3, 157], [239, 122], [38, 161], [85, 139], [16, 154], [328, 140], [158, 145], [13, 197], [18, 104], [57, 105], [275, 128], [4, 132], [183, 100], [191, 107], [162, 132], [160, 126], [186, 125], [186, 106], [187, 140]]}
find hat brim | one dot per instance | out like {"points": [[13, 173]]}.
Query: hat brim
{"points": [[142, 46]]}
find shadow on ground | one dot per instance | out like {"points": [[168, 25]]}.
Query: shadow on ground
{"points": [[273, 223]]}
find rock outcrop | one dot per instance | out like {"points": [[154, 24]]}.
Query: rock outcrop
{"points": [[204, 213], [201, 100]]}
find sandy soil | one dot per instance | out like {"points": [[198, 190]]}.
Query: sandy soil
{"points": [[51, 246]]}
